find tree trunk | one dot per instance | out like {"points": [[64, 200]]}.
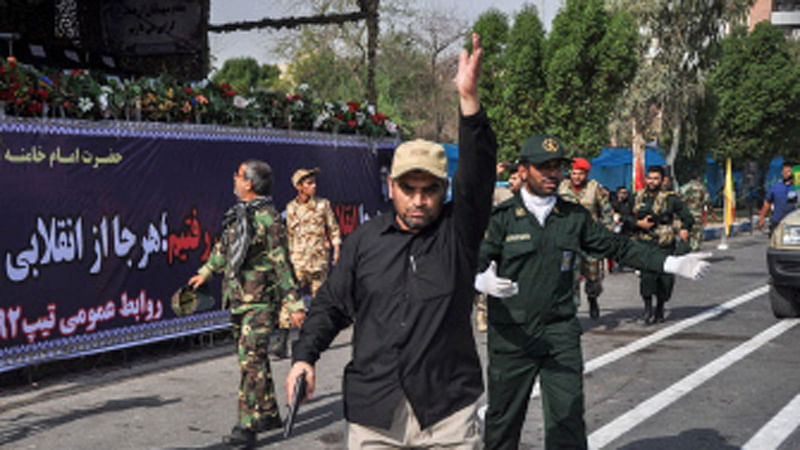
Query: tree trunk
{"points": [[372, 45], [673, 149]]}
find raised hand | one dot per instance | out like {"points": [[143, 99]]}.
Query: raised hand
{"points": [[469, 68]]}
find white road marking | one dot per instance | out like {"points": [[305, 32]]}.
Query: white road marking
{"points": [[653, 405], [664, 333], [778, 428]]}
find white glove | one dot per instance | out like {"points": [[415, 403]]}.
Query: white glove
{"points": [[489, 283], [689, 266]]}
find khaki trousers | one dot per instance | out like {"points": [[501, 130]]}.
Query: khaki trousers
{"points": [[456, 431]]}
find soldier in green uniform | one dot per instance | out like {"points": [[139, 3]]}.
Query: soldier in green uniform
{"points": [[258, 283], [527, 259], [695, 197], [594, 197], [658, 215]]}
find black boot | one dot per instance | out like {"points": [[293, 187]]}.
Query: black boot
{"points": [[240, 438], [594, 309], [278, 343], [647, 316], [271, 423], [658, 317]]}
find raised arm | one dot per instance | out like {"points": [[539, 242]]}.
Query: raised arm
{"points": [[474, 179]]}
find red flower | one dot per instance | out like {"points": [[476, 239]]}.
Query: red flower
{"points": [[351, 123], [67, 104], [35, 107], [225, 87], [379, 118], [42, 94], [18, 101], [2, 69], [16, 85], [188, 91], [229, 93], [352, 106], [339, 116]]}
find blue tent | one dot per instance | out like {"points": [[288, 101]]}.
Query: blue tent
{"points": [[614, 166], [451, 151]]}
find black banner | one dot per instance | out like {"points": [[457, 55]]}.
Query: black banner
{"points": [[102, 224]]}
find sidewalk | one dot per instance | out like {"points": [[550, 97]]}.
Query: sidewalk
{"points": [[713, 230]]}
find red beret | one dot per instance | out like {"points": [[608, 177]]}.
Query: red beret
{"points": [[581, 164]]}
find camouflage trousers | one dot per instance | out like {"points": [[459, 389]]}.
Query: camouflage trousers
{"points": [[313, 280], [592, 271], [696, 236], [257, 404]]}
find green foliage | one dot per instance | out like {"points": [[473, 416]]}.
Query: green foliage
{"points": [[756, 89], [590, 58], [245, 74], [412, 68], [493, 28], [562, 84], [678, 47], [522, 84]]}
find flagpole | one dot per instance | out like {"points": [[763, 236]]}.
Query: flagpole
{"points": [[728, 210]]}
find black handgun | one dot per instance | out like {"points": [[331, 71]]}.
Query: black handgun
{"points": [[294, 405]]}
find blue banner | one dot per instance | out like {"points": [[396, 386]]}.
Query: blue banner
{"points": [[102, 224]]}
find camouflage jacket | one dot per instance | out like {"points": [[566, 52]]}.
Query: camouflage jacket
{"points": [[311, 228], [593, 197], [695, 198], [668, 213], [265, 279]]}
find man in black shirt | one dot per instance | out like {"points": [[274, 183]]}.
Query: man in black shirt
{"points": [[405, 281]]}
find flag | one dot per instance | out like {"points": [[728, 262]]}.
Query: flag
{"points": [[730, 198], [638, 163]]}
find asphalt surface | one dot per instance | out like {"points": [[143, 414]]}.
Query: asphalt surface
{"points": [[720, 373]]}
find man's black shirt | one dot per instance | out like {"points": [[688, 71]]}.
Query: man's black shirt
{"points": [[410, 299]]}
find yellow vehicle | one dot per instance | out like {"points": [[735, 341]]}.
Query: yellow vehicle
{"points": [[783, 260]]}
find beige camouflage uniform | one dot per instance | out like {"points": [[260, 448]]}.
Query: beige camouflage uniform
{"points": [[264, 284], [593, 197], [312, 229]]}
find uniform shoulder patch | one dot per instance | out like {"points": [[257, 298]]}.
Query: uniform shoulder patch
{"points": [[505, 204]]}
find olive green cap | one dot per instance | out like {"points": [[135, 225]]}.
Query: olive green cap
{"points": [[542, 148]]}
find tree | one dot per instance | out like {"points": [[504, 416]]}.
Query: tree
{"points": [[522, 83], [492, 26], [590, 58], [512, 81], [415, 63], [677, 45], [756, 89], [244, 74], [434, 34]]}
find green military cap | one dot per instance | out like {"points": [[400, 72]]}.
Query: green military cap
{"points": [[187, 301], [542, 148]]}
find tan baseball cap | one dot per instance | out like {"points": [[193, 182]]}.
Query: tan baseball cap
{"points": [[419, 154], [299, 174]]}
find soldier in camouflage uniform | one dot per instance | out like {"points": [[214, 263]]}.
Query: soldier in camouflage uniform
{"points": [[594, 197], [695, 197], [258, 283], [312, 230], [660, 219]]}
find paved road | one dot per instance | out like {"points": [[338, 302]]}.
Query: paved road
{"points": [[721, 373]]}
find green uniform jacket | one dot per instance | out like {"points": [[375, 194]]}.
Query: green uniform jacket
{"points": [[265, 279], [540, 259], [677, 218]]}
